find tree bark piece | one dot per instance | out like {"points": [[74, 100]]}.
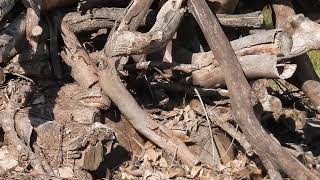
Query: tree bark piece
{"points": [[254, 67], [251, 20], [273, 156], [98, 18], [303, 31], [101, 18]]}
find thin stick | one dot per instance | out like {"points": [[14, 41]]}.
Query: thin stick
{"points": [[209, 124], [233, 138]]}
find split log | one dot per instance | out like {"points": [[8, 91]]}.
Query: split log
{"points": [[5, 7], [101, 18], [113, 87], [254, 67], [306, 35], [273, 42], [273, 156]]}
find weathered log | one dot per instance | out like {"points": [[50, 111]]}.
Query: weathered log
{"points": [[306, 35], [254, 67], [273, 156], [20, 147], [284, 45], [124, 43], [83, 68], [24, 150], [251, 20], [145, 65], [165, 139], [303, 38], [113, 87], [100, 18]]}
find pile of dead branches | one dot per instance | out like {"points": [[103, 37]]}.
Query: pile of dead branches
{"points": [[158, 89]]}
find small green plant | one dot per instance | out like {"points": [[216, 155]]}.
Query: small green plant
{"points": [[267, 17], [315, 59]]}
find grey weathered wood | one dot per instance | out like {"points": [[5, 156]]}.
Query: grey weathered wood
{"points": [[99, 18], [132, 42], [273, 156], [113, 87], [254, 67], [305, 36], [252, 20]]}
